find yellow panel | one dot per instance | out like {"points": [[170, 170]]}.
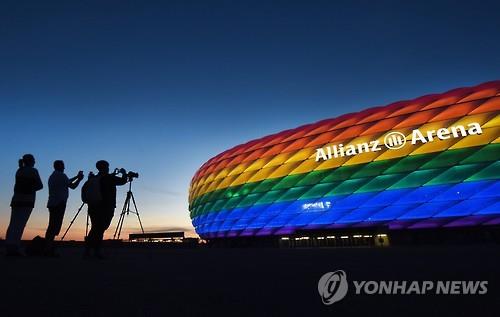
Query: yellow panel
{"points": [[258, 164], [480, 118], [223, 173], [487, 136], [495, 122], [335, 162], [306, 166], [404, 151], [497, 140], [213, 186], [436, 145], [238, 169], [435, 126], [279, 159], [242, 178], [301, 155], [284, 170], [262, 174], [228, 180], [362, 158]]}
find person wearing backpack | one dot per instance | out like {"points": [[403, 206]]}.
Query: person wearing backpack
{"points": [[58, 196], [28, 182], [99, 193]]}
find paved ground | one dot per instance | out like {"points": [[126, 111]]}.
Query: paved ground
{"points": [[242, 282]]}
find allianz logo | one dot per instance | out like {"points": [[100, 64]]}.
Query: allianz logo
{"points": [[396, 140]]}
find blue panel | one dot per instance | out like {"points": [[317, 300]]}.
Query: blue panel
{"points": [[492, 209], [491, 191], [237, 213], [426, 210], [466, 207], [422, 194], [226, 226], [353, 201], [358, 215], [222, 215], [211, 216], [391, 212], [304, 219], [254, 211], [297, 206], [461, 191], [386, 197], [330, 216]]}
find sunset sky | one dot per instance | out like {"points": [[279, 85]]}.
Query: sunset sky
{"points": [[160, 87]]}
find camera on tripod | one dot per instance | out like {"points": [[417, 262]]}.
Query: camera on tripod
{"points": [[130, 175]]}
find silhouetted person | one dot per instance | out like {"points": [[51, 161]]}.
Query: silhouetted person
{"points": [[28, 182], [58, 196], [102, 213]]}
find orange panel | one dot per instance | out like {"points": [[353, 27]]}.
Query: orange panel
{"points": [[417, 118], [491, 105], [276, 149], [382, 125], [298, 144], [321, 139], [456, 111], [481, 94]]}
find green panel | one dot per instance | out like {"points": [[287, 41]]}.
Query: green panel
{"points": [[271, 196], [231, 191], [449, 158], [348, 187], [266, 185], [250, 200], [374, 168], [294, 193], [456, 174], [492, 171], [218, 205], [246, 189], [416, 179], [341, 173], [232, 203], [409, 164], [488, 153], [207, 207], [313, 178], [318, 191], [288, 181], [379, 183]]}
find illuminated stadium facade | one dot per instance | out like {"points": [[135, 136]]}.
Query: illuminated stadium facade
{"points": [[435, 165]]}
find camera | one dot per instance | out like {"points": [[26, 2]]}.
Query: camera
{"points": [[130, 174]]}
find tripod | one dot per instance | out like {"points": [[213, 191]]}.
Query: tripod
{"points": [[126, 210], [74, 218]]}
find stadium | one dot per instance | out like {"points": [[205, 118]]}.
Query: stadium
{"points": [[421, 165]]}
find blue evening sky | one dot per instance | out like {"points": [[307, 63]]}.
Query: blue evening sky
{"points": [[159, 87]]}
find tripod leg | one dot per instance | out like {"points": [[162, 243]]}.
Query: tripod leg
{"points": [[121, 218], [137, 211], [126, 210], [87, 226], [71, 223]]}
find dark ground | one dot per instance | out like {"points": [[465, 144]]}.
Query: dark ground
{"points": [[152, 281]]}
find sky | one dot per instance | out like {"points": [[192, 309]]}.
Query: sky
{"points": [[159, 87]]}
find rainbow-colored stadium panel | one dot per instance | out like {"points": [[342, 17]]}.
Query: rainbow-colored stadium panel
{"points": [[291, 181]]}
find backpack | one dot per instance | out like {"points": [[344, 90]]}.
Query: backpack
{"points": [[91, 191]]}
